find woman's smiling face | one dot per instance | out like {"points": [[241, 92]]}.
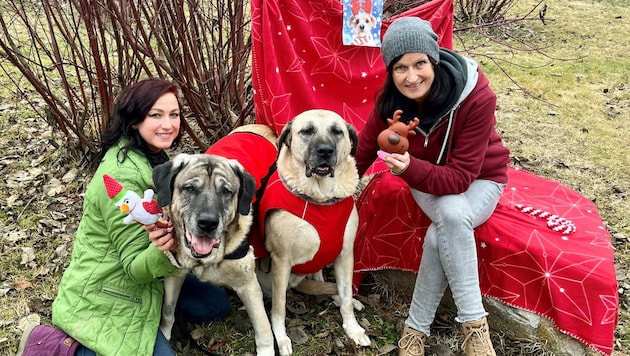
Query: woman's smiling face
{"points": [[413, 75], [161, 125]]}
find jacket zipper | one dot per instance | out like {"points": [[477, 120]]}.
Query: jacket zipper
{"points": [[426, 134], [121, 295]]}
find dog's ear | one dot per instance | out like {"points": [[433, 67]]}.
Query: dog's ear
{"points": [[285, 136], [354, 138], [351, 21], [247, 190], [163, 178]]}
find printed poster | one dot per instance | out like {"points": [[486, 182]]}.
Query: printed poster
{"points": [[362, 22]]}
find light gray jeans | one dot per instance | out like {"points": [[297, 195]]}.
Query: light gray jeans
{"points": [[449, 256]]}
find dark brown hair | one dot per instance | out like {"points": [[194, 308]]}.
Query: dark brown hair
{"points": [[130, 109], [389, 99]]}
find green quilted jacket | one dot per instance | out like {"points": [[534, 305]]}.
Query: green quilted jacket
{"points": [[110, 296]]}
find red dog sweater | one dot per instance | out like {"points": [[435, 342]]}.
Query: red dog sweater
{"points": [[329, 221], [251, 150]]}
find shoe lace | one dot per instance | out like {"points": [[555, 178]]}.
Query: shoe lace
{"points": [[475, 337], [412, 343]]}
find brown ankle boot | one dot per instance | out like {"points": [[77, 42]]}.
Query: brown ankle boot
{"points": [[411, 342], [477, 338]]}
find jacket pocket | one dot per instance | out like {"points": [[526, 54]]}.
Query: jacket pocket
{"points": [[121, 295]]}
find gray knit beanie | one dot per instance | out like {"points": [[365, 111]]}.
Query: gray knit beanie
{"points": [[409, 34]]}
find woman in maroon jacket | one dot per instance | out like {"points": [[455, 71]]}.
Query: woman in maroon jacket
{"points": [[456, 167]]}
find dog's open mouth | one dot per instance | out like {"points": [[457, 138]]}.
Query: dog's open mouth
{"points": [[201, 246], [322, 170]]}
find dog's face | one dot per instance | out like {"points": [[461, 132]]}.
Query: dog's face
{"points": [[208, 198], [319, 140], [362, 24]]}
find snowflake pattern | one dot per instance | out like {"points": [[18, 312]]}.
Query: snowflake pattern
{"points": [[299, 63]]}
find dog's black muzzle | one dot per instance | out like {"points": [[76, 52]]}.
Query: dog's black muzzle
{"points": [[322, 161]]}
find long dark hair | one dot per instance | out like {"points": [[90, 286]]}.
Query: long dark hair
{"points": [[391, 99], [130, 109]]}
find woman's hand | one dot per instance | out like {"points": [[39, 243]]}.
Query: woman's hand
{"points": [[162, 237], [397, 162]]}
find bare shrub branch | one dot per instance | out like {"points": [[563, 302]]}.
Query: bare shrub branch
{"points": [[78, 54]]}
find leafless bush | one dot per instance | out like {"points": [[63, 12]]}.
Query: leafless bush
{"points": [[467, 11], [78, 54], [482, 11], [395, 7]]}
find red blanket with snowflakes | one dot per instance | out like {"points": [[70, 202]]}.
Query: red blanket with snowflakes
{"points": [[566, 275], [299, 62]]}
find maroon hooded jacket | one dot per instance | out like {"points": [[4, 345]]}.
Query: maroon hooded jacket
{"points": [[461, 147]]}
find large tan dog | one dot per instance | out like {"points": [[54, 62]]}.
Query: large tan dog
{"points": [[208, 198], [316, 170]]}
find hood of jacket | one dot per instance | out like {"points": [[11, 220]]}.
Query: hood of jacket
{"points": [[463, 72]]}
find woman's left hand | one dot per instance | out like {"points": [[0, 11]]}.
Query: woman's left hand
{"points": [[163, 238], [397, 162]]}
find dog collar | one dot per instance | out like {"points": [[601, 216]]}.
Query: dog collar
{"points": [[304, 197]]}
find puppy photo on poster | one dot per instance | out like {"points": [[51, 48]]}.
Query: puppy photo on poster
{"points": [[362, 22]]}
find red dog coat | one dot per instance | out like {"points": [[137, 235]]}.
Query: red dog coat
{"points": [[251, 150], [329, 221]]}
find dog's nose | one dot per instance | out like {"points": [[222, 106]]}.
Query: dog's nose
{"points": [[325, 150], [208, 221]]}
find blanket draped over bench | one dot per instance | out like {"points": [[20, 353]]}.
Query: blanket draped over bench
{"points": [[299, 62], [567, 278]]}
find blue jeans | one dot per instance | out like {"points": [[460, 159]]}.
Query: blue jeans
{"points": [[162, 348], [198, 303], [449, 256], [201, 302]]}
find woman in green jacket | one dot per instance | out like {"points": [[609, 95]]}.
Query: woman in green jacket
{"points": [[110, 296]]}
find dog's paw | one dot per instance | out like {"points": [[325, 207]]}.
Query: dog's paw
{"points": [[359, 336], [267, 351], [356, 304], [284, 346]]}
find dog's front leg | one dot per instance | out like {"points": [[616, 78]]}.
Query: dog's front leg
{"points": [[172, 286], [252, 298], [250, 293], [344, 267], [281, 272], [343, 273]]}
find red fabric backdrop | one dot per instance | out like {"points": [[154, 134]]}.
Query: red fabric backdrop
{"points": [[300, 63]]}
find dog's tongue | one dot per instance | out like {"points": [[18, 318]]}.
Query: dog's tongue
{"points": [[203, 245]]}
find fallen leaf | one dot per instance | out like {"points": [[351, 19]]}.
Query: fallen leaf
{"points": [[4, 290], [28, 255], [12, 200], [298, 308], [70, 176], [298, 336], [198, 333], [217, 345], [386, 349], [21, 284], [322, 335], [15, 236]]}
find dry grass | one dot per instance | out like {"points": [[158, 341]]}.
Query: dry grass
{"points": [[569, 126]]}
